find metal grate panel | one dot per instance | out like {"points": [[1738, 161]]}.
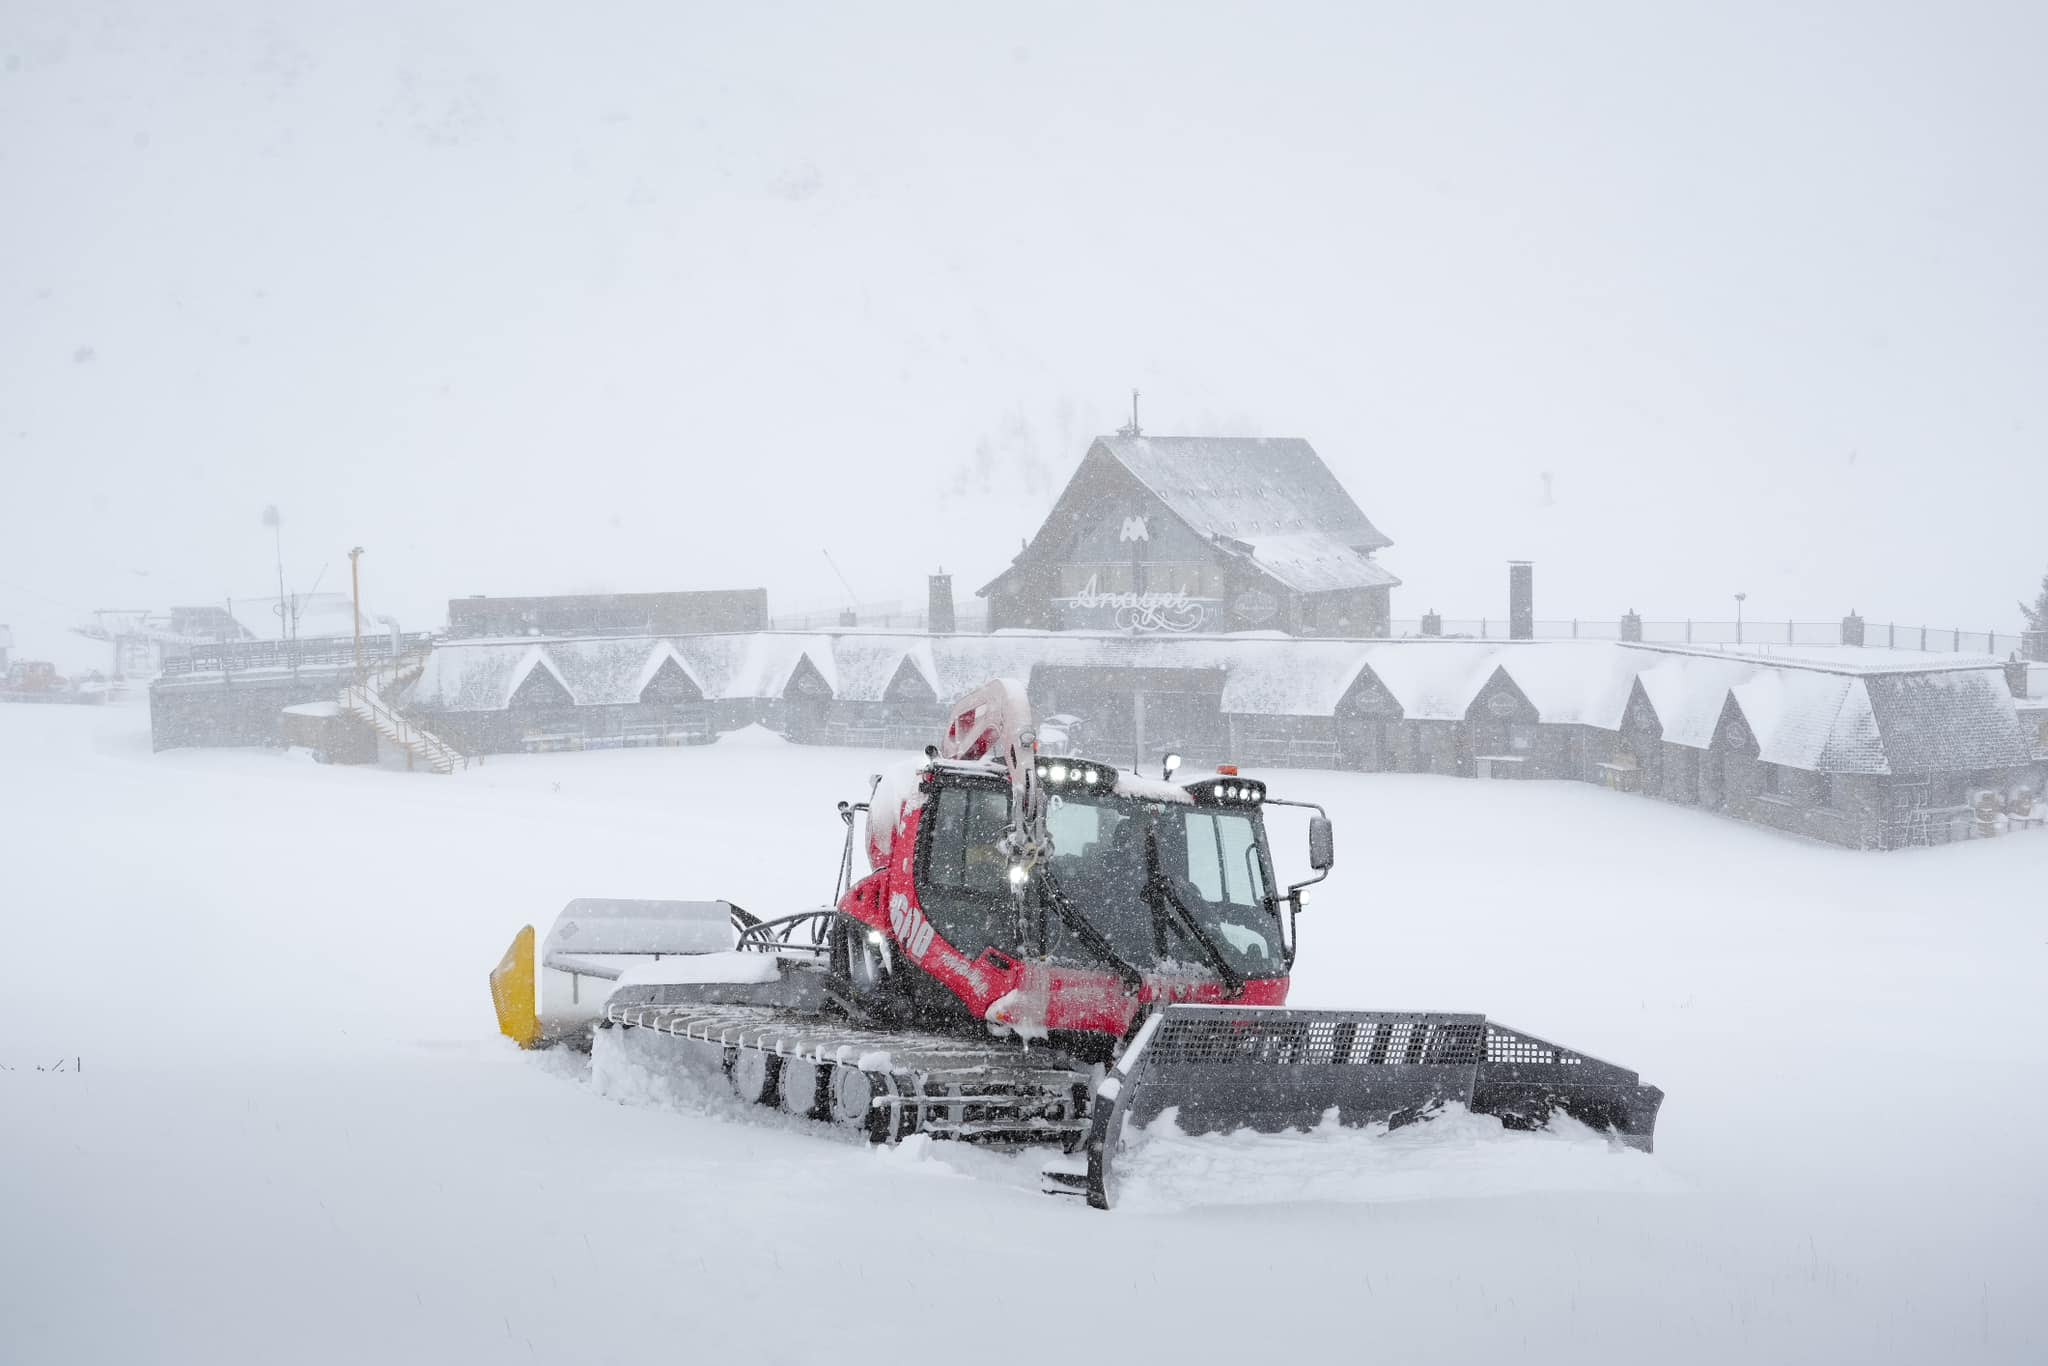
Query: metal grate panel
{"points": [[1291, 1039], [1507, 1046]]}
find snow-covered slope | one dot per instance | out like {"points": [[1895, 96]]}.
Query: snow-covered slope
{"points": [[295, 1136]]}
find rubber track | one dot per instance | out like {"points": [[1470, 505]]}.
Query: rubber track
{"points": [[934, 1083]]}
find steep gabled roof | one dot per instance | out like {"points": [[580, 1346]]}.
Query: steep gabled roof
{"points": [[1308, 680], [1246, 486], [1272, 495], [1952, 721], [1572, 682], [1688, 691], [1820, 722], [1433, 680], [1269, 500]]}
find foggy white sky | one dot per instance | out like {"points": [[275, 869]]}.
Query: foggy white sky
{"points": [[543, 297]]}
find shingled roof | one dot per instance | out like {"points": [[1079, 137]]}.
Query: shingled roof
{"points": [[1947, 721], [1268, 500], [1272, 495]]}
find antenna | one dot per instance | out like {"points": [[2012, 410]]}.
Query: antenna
{"points": [[1133, 429], [841, 577]]}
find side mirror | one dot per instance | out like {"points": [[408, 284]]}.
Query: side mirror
{"points": [[1322, 844]]}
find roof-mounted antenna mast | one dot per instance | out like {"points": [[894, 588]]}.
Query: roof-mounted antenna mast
{"points": [[1133, 429]]}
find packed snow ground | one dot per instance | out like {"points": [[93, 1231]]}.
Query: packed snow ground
{"points": [[296, 1137]]}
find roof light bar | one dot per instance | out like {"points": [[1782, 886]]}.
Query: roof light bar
{"points": [[1228, 790], [1076, 775]]}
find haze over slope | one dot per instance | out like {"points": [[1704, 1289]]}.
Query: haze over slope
{"points": [[532, 297]]}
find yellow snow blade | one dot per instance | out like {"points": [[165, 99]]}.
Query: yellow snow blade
{"points": [[512, 992]]}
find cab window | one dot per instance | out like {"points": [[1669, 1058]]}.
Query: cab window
{"points": [[967, 889]]}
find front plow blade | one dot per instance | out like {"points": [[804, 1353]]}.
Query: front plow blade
{"points": [[1223, 1068]]}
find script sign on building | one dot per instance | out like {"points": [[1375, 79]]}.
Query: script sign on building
{"points": [[1094, 608]]}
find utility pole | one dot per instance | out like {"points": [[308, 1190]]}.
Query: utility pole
{"points": [[355, 593], [285, 622]]}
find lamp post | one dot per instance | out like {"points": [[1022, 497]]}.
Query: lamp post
{"points": [[287, 619], [1738, 616], [355, 593]]}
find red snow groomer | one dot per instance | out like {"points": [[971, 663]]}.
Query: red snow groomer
{"points": [[1046, 949]]}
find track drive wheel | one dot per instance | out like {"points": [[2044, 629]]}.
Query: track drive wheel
{"points": [[753, 1076], [803, 1085], [851, 1102]]}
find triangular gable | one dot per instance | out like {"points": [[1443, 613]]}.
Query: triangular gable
{"points": [[1501, 699], [538, 683], [1368, 696], [1733, 734], [909, 684], [806, 683], [670, 682], [1639, 714]]}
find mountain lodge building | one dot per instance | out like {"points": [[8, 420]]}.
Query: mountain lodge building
{"points": [[1199, 534]]}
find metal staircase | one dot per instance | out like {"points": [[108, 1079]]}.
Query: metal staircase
{"points": [[366, 703]]}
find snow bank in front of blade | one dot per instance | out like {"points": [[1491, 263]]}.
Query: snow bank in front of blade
{"points": [[1455, 1155]]}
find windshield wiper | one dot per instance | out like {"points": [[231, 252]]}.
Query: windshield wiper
{"points": [[1155, 877], [1093, 938]]}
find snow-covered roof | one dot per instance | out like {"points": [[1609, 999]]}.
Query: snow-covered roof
{"points": [[1268, 500], [1688, 691], [1246, 486], [1569, 682], [1806, 719], [599, 671], [1309, 679], [1434, 680], [1946, 721], [1850, 719], [1312, 562]]}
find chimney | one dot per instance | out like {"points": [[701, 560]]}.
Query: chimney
{"points": [[1852, 628], [1632, 626], [2016, 677], [939, 616], [1521, 600]]}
